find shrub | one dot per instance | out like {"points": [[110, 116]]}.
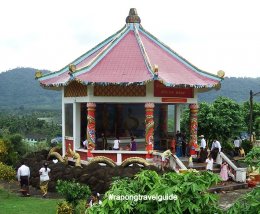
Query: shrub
{"points": [[246, 145], [6, 172], [64, 208], [190, 189], [250, 203], [72, 191], [253, 158]]}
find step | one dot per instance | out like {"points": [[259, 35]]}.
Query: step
{"points": [[202, 166], [230, 186]]}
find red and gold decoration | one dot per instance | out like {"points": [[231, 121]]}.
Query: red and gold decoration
{"points": [[160, 90], [120, 90], [75, 89], [149, 128], [91, 132], [38, 74], [194, 108]]}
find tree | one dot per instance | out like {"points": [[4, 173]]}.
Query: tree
{"points": [[222, 120], [255, 116]]}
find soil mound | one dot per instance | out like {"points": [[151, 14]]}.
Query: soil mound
{"points": [[97, 177]]}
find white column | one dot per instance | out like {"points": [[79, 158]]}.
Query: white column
{"points": [[177, 117], [63, 122], [76, 125]]}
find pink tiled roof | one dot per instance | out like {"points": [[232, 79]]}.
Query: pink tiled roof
{"points": [[172, 70], [124, 63], [128, 57], [56, 80]]}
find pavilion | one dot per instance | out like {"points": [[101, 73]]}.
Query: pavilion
{"points": [[123, 87]]}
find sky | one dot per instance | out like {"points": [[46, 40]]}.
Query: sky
{"points": [[213, 35]]}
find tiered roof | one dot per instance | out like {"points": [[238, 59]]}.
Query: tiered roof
{"points": [[131, 56]]}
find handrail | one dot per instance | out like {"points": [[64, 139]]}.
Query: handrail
{"points": [[174, 160], [179, 162], [240, 175]]}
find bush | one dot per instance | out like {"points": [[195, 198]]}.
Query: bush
{"points": [[64, 208], [6, 172], [253, 158], [72, 191], [246, 145], [81, 207], [190, 190], [250, 203]]}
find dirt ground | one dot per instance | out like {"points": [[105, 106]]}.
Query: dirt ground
{"points": [[14, 187]]}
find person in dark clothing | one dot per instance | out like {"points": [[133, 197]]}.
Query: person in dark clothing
{"points": [[184, 144], [104, 141], [133, 144], [203, 155], [178, 144]]}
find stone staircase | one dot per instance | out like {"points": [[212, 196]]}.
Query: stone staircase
{"points": [[221, 187]]}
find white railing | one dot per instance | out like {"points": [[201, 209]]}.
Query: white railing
{"points": [[174, 162], [240, 173]]}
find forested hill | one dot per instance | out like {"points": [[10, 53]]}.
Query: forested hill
{"points": [[19, 89], [235, 88]]}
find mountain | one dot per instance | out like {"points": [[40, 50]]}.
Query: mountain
{"points": [[19, 89], [236, 88]]}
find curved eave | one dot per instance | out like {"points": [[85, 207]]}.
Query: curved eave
{"points": [[82, 57], [179, 57]]}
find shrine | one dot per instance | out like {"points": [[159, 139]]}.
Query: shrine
{"points": [[126, 86]]}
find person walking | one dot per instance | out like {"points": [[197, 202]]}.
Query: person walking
{"points": [[23, 175], [44, 179]]}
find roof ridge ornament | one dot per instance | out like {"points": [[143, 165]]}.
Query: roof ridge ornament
{"points": [[133, 16]]}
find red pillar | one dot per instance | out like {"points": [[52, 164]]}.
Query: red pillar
{"points": [[149, 129], [194, 108], [91, 132]]}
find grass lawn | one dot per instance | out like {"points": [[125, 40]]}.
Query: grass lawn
{"points": [[12, 204]]}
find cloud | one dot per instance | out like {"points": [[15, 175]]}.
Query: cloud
{"points": [[212, 35]]}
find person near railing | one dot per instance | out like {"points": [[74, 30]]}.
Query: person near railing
{"points": [[215, 149]]}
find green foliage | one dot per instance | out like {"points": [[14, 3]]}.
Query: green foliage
{"points": [[253, 158], [20, 90], [81, 207], [190, 190], [33, 124], [246, 145], [255, 115], [64, 208], [7, 173], [72, 191], [223, 120], [250, 203]]}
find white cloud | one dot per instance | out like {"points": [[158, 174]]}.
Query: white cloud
{"points": [[212, 35]]}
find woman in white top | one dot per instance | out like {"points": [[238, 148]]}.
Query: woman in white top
{"points": [[44, 179]]}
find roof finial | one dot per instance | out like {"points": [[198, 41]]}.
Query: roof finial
{"points": [[133, 16]]}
